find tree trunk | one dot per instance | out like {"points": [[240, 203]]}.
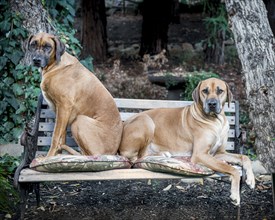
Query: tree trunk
{"points": [[157, 15], [215, 45], [255, 44], [93, 33], [35, 19]]}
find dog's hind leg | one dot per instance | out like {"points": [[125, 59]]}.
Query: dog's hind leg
{"points": [[138, 133], [69, 150], [94, 137]]}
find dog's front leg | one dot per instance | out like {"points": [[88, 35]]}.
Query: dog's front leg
{"points": [[241, 160], [62, 117], [201, 156]]}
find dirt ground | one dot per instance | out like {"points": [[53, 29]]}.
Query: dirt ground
{"points": [[139, 200], [165, 199]]}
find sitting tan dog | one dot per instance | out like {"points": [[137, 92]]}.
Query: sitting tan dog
{"points": [[78, 98], [199, 130]]}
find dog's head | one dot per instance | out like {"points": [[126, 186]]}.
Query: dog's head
{"points": [[212, 94], [45, 49]]}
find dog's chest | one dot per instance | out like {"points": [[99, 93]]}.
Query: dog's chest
{"points": [[44, 88], [48, 100], [220, 138]]}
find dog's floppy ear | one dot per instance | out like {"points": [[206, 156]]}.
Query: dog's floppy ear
{"points": [[59, 48], [27, 43], [229, 97], [196, 93]]}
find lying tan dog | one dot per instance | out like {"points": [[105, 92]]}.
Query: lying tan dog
{"points": [[200, 130], [78, 98]]}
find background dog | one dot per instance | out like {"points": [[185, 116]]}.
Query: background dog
{"points": [[78, 98], [199, 130]]}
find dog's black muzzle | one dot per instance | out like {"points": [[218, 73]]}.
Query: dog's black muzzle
{"points": [[212, 106], [39, 60]]}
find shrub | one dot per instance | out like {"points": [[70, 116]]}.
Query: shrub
{"points": [[8, 195]]}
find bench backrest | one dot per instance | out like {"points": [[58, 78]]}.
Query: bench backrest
{"points": [[127, 108]]}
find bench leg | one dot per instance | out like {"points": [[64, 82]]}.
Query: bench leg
{"points": [[23, 193], [37, 193], [24, 190]]}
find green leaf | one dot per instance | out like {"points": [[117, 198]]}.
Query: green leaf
{"points": [[22, 108], [8, 125], [15, 57], [3, 62], [3, 106], [8, 81], [17, 89], [5, 25], [16, 132]]}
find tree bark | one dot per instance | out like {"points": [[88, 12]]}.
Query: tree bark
{"points": [[35, 19], [255, 44], [94, 33]]}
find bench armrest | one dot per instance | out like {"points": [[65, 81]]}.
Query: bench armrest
{"points": [[28, 139]]}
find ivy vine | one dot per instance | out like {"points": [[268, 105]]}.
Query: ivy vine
{"points": [[20, 84], [17, 82]]}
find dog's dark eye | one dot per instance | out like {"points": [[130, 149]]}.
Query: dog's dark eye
{"points": [[205, 91], [47, 48], [32, 46], [219, 91]]}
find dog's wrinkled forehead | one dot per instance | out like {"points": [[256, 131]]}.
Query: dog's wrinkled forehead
{"points": [[213, 86], [42, 38]]}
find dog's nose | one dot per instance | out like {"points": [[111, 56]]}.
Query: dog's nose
{"points": [[212, 103], [36, 61]]}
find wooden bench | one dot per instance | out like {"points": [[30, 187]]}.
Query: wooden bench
{"points": [[36, 140]]}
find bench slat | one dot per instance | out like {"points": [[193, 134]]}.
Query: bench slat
{"points": [[46, 141], [47, 113], [49, 126], [151, 103], [28, 175]]}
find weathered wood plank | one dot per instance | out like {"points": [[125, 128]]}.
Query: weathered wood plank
{"points": [[151, 103], [48, 113], [29, 175]]}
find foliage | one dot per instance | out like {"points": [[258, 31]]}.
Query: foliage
{"points": [[8, 196], [193, 80], [18, 83], [217, 24], [170, 80], [63, 12]]}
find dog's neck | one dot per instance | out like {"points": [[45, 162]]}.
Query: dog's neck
{"points": [[66, 60]]}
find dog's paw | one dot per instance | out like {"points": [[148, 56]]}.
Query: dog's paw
{"points": [[235, 199], [250, 180]]}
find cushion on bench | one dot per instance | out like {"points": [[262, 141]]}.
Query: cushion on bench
{"points": [[180, 165], [73, 163]]}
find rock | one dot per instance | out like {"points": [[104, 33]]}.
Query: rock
{"points": [[258, 168], [12, 149], [187, 47], [8, 216]]}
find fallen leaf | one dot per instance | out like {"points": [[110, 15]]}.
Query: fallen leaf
{"points": [[41, 208], [181, 188], [8, 216], [167, 188]]}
